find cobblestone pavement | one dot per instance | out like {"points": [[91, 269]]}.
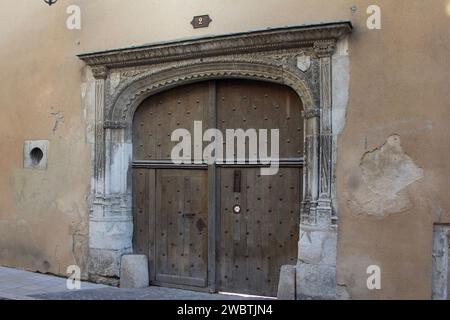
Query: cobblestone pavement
{"points": [[22, 285]]}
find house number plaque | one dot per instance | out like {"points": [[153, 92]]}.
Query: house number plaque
{"points": [[201, 21]]}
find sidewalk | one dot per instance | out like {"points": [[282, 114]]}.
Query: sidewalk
{"points": [[22, 285], [18, 284]]}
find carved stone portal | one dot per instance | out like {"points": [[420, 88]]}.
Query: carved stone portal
{"points": [[299, 57]]}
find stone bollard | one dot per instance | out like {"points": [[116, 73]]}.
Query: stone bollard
{"points": [[134, 272]]}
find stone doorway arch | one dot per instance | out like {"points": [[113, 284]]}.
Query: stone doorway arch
{"points": [[299, 57]]}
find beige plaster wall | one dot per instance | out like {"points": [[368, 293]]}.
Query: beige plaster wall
{"points": [[399, 79]]}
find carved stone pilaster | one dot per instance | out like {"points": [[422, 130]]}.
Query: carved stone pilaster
{"points": [[97, 209], [311, 181], [99, 155], [316, 269], [109, 233], [325, 211]]}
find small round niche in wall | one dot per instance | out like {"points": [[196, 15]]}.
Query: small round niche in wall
{"points": [[35, 154]]}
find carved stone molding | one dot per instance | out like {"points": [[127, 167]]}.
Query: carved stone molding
{"points": [[124, 104], [275, 39]]}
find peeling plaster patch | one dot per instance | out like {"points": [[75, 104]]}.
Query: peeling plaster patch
{"points": [[385, 173]]}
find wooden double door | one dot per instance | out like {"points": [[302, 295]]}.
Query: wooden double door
{"points": [[222, 227]]}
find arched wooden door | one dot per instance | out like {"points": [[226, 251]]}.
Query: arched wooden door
{"points": [[183, 214]]}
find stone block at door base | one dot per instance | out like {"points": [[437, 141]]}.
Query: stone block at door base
{"points": [[316, 282], [134, 272], [105, 263], [286, 286]]}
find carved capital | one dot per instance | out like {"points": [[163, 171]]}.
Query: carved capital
{"points": [[324, 48], [100, 72], [311, 113]]}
